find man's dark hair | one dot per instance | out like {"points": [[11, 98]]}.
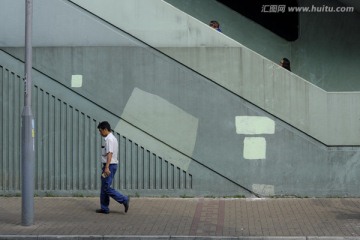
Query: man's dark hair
{"points": [[286, 64], [214, 23], [104, 125]]}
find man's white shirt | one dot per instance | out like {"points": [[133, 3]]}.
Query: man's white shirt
{"points": [[111, 145]]}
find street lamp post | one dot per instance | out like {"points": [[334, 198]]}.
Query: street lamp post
{"points": [[27, 128]]}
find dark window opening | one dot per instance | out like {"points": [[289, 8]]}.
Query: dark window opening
{"points": [[271, 14]]}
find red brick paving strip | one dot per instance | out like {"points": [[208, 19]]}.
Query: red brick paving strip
{"points": [[197, 216], [221, 218]]}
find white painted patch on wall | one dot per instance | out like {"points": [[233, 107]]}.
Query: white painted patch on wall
{"points": [[254, 125], [76, 81], [178, 159], [262, 189], [162, 119], [254, 148]]}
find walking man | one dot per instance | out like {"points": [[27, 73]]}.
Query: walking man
{"points": [[109, 160]]}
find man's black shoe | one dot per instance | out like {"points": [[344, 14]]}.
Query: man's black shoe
{"points": [[127, 204], [101, 211]]}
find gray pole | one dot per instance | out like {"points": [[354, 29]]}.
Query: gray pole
{"points": [[27, 128]]}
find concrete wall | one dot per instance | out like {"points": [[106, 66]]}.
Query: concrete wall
{"points": [[204, 122], [324, 54], [235, 67], [64, 26], [237, 27], [196, 45], [67, 146]]}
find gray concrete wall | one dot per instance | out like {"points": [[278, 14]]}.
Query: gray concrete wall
{"points": [[67, 146], [236, 67], [237, 27], [55, 23], [208, 52], [324, 54], [205, 122]]}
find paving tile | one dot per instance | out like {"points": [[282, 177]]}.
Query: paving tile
{"points": [[194, 218]]}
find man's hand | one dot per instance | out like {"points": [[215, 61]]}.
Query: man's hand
{"points": [[107, 171]]}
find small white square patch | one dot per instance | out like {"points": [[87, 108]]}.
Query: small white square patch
{"points": [[254, 148], [266, 190], [76, 81], [254, 125]]}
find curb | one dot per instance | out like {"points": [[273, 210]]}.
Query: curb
{"points": [[162, 237]]}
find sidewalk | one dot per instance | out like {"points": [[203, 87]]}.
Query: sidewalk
{"points": [[192, 218]]}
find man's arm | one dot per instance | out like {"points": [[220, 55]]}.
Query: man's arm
{"points": [[108, 160]]}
